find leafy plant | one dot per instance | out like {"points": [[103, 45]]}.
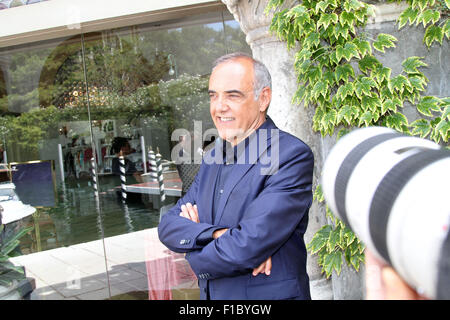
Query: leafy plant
{"points": [[339, 74], [334, 241], [8, 243]]}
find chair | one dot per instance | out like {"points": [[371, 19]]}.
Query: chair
{"points": [[187, 173]]}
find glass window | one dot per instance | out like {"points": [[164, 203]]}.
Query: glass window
{"points": [[82, 119]]}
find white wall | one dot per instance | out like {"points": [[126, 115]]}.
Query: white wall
{"points": [[58, 18]]}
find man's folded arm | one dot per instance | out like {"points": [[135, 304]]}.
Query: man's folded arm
{"points": [[269, 222], [180, 234]]}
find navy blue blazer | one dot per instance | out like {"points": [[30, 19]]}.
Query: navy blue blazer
{"points": [[266, 214]]}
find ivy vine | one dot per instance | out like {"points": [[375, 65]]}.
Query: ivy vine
{"points": [[339, 74]]}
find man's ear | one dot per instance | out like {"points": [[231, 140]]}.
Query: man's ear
{"points": [[264, 99]]}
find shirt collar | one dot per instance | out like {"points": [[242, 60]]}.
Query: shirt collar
{"points": [[230, 154]]}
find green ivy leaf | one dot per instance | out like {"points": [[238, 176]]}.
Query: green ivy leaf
{"points": [[371, 103], [411, 64], [299, 95], [409, 14], [321, 6], [428, 104], [318, 194], [317, 118], [344, 91], [343, 72], [314, 74], [319, 240], [298, 11], [363, 86], [349, 51], [447, 3], [320, 88], [333, 261], [366, 118], [313, 39], [383, 73], [435, 134], [342, 132], [326, 19], [347, 18], [446, 28], [428, 16], [384, 41], [333, 239], [303, 55], [329, 118], [421, 127], [396, 121], [433, 33], [363, 46], [418, 83], [349, 236], [446, 113], [443, 127], [352, 5], [342, 31], [421, 4], [328, 77], [367, 63], [347, 112], [388, 104], [355, 261], [398, 83]]}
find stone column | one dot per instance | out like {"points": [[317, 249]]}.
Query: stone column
{"points": [[289, 117]]}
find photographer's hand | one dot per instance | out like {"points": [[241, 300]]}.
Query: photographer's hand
{"points": [[384, 283]]}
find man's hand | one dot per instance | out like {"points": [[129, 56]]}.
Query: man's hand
{"points": [[190, 212], [218, 233], [264, 267]]}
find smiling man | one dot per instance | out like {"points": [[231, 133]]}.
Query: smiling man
{"points": [[242, 230], [237, 109]]}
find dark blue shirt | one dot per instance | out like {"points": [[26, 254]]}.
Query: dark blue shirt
{"points": [[230, 155]]}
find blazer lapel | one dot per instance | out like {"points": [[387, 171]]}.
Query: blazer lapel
{"points": [[210, 183]]}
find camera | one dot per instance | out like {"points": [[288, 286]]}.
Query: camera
{"points": [[392, 191]]}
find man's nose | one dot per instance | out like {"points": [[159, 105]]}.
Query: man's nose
{"points": [[222, 103]]}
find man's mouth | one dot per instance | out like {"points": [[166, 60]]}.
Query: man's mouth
{"points": [[226, 119]]}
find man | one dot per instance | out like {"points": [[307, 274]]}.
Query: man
{"points": [[240, 225]]}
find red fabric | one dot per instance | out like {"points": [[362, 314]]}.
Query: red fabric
{"points": [[165, 270], [88, 154]]}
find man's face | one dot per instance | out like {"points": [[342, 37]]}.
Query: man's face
{"points": [[233, 107]]}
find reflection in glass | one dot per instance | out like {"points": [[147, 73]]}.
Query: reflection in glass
{"points": [[143, 82]]}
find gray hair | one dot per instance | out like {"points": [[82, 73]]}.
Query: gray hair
{"points": [[262, 78]]}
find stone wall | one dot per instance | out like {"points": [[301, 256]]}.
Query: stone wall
{"points": [[297, 120]]}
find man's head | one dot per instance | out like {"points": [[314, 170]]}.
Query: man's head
{"points": [[240, 93]]}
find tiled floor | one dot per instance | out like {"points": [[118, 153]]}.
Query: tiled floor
{"points": [[79, 271]]}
